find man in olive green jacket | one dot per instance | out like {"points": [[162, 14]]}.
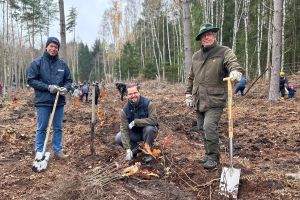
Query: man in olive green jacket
{"points": [[206, 91], [138, 122]]}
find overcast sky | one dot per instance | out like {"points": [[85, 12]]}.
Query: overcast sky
{"points": [[89, 17]]}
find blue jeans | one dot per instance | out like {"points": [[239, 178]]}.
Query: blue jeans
{"points": [[239, 88], [43, 115]]}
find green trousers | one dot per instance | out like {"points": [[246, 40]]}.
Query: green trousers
{"points": [[207, 124]]}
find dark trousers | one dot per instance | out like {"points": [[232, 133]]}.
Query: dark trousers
{"points": [[282, 91], [239, 88], [86, 96], [148, 136], [207, 123], [96, 99]]}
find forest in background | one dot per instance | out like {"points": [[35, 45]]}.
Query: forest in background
{"points": [[145, 39]]}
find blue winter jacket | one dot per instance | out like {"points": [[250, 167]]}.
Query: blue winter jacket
{"points": [[242, 83], [44, 71]]}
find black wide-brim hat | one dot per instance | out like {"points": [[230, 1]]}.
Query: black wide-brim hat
{"points": [[204, 28]]}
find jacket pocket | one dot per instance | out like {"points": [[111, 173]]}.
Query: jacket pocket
{"points": [[216, 97]]}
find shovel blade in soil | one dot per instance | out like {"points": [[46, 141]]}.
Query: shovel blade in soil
{"points": [[41, 165], [229, 183]]}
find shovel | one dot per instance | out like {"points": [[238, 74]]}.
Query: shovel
{"points": [[230, 177], [40, 165]]}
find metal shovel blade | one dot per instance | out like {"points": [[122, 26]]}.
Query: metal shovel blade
{"points": [[229, 183], [41, 165]]}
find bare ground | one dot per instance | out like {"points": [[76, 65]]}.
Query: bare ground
{"points": [[266, 149]]}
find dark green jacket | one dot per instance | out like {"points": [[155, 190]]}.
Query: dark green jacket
{"points": [[205, 81], [149, 120]]}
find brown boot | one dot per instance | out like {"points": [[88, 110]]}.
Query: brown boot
{"points": [[60, 156]]}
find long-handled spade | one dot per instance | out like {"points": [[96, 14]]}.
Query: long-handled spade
{"points": [[230, 177], [40, 165]]}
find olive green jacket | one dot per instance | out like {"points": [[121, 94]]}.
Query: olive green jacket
{"points": [[205, 81], [150, 121]]}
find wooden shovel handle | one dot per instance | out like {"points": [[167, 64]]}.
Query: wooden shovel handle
{"points": [[50, 122], [229, 102]]}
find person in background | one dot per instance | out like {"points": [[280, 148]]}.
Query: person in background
{"points": [[121, 87], [1, 88], [97, 92], [75, 94], [138, 122], [291, 89], [85, 92], [14, 85], [48, 75], [283, 82], [241, 86], [206, 91]]}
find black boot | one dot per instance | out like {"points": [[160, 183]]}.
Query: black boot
{"points": [[210, 164]]}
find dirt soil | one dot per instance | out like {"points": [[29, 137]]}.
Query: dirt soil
{"points": [[266, 149]]}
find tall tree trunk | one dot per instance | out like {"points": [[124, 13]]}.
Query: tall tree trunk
{"points": [[269, 45], [246, 22], [163, 42], [180, 59], [276, 51], [235, 25], [282, 34], [186, 21], [63, 42], [168, 39], [154, 53], [259, 36], [158, 47], [205, 14], [222, 22], [142, 50]]}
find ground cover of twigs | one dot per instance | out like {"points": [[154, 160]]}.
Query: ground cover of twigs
{"points": [[266, 149]]}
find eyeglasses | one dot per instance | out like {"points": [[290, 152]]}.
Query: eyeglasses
{"points": [[132, 94]]}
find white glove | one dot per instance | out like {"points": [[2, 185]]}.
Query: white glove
{"points": [[128, 154], [131, 125], [38, 156], [63, 91], [53, 89], [188, 100], [235, 75]]}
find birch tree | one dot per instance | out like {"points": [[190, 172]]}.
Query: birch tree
{"points": [[186, 21], [260, 24], [269, 42], [246, 22], [282, 34], [276, 50], [236, 22]]}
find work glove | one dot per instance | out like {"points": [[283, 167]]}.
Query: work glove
{"points": [[53, 89], [188, 100], [235, 75], [129, 154], [131, 125], [63, 91]]}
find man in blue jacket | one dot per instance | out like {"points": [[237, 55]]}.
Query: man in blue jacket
{"points": [[48, 75], [241, 86]]}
